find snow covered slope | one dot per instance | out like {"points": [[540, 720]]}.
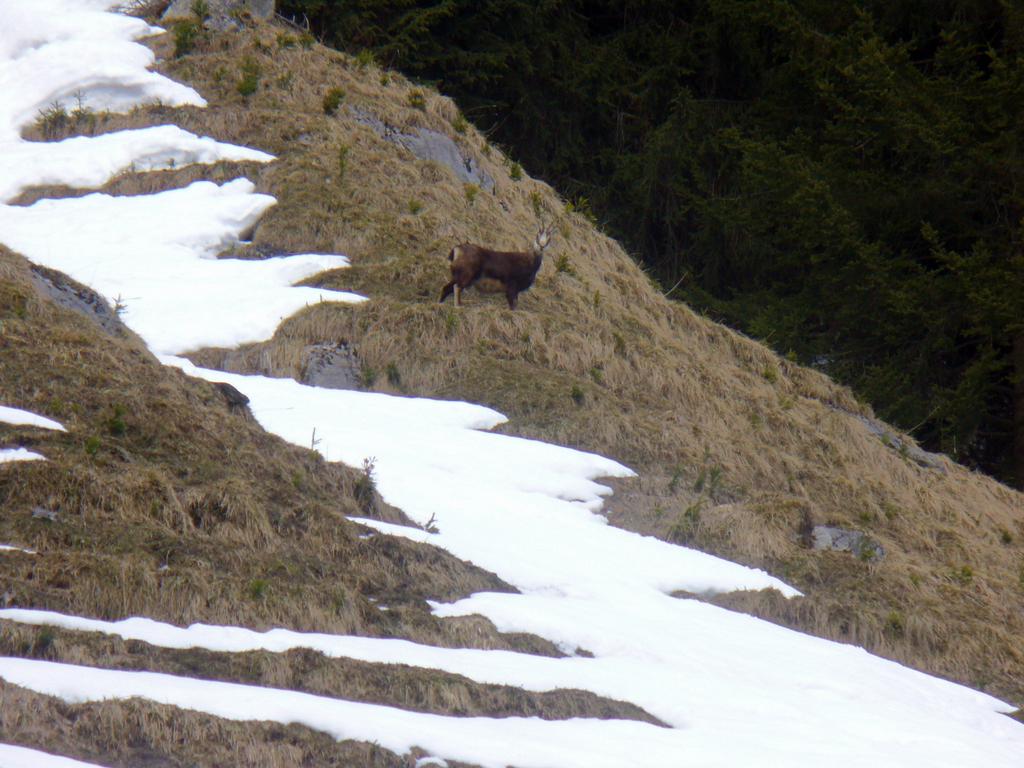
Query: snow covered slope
{"points": [[731, 690]]}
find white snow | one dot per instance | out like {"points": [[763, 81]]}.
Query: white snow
{"points": [[12, 548], [160, 263], [19, 454], [19, 417], [91, 161], [735, 690], [22, 757]]}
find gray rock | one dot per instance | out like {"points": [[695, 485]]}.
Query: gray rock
{"points": [[430, 145], [75, 296], [843, 540], [902, 445], [42, 513], [223, 13], [334, 366]]}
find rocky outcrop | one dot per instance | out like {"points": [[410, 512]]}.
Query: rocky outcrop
{"points": [[223, 14], [831, 537], [430, 145], [76, 297]]}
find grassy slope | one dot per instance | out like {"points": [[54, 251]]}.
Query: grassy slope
{"points": [[737, 449]]}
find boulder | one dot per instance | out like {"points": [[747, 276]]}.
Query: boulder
{"points": [[830, 537], [334, 366], [902, 445]]}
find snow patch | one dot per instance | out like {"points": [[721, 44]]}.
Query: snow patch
{"points": [[19, 417]]}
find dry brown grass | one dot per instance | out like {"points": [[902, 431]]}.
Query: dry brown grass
{"points": [[594, 358], [597, 358]]}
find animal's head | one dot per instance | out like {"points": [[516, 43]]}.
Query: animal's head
{"points": [[543, 239]]}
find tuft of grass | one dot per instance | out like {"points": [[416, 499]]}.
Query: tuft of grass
{"points": [[684, 529], [250, 79], [257, 589], [306, 40], [92, 445], [471, 190], [285, 41], [563, 266], [343, 151], [186, 34], [393, 375], [116, 424], [576, 394], [415, 206], [770, 373], [536, 203], [515, 171], [365, 58], [417, 100], [459, 124], [332, 100], [368, 376], [200, 9]]}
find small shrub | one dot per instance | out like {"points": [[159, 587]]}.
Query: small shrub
{"points": [[770, 373], [472, 190], [576, 394], [332, 100], [53, 120], [415, 207], [963, 575], [677, 476], [417, 100], [393, 375], [459, 124], [250, 80], [306, 40], [366, 484], [258, 589], [284, 40], [596, 301], [1005, 536], [116, 424], [200, 9], [186, 34], [92, 445], [385, 79], [684, 529], [42, 643], [515, 171], [597, 374], [563, 266], [368, 376], [894, 626]]}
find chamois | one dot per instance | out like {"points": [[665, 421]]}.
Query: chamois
{"points": [[510, 271]]}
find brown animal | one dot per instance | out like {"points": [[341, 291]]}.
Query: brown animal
{"points": [[511, 272]]}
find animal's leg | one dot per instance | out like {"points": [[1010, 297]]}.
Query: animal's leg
{"points": [[458, 295], [447, 291], [512, 295]]}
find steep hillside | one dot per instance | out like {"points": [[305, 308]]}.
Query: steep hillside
{"points": [[165, 500], [739, 452]]}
